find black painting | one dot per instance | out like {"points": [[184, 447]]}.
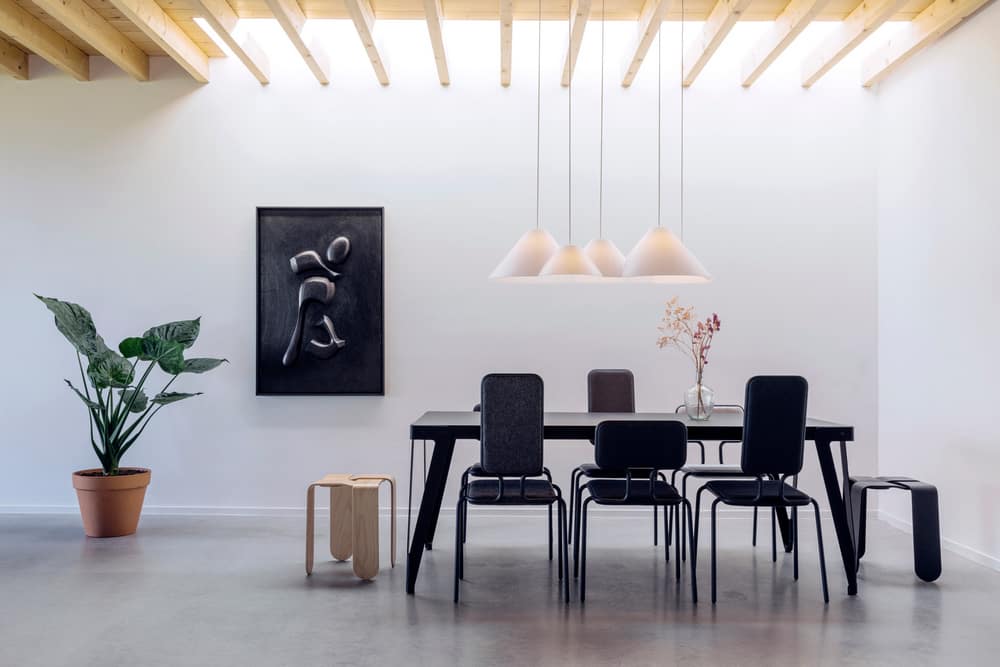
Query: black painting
{"points": [[319, 301]]}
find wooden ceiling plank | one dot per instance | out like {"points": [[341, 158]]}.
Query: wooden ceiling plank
{"points": [[13, 60], [650, 18], [435, 20], [581, 12], [928, 27], [290, 17], [859, 24], [724, 16], [506, 39], [364, 22], [165, 33], [20, 26], [223, 20], [79, 18], [789, 25]]}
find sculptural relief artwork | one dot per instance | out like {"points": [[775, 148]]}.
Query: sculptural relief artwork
{"points": [[320, 301]]}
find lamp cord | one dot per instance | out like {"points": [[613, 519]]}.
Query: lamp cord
{"points": [[681, 95], [569, 125], [659, 127], [600, 204], [538, 128]]}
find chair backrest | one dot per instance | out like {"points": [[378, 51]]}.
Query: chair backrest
{"points": [[624, 445], [610, 390], [512, 414], [774, 426]]}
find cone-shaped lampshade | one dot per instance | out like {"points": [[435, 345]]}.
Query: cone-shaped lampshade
{"points": [[606, 256], [569, 264], [660, 257], [526, 259]]}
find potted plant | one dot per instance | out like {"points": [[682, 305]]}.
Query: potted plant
{"points": [[119, 409]]}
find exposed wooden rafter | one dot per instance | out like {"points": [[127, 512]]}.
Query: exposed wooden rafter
{"points": [[290, 17], [364, 22], [91, 27], [859, 24], [223, 20], [927, 28], [13, 60], [435, 19], [581, 12], [724, 16], [506, 39], [650, 19], [797, 15], [20, 26], [154, 22]]}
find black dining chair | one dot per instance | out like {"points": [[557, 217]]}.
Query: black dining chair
{"points": [[642, 449], [511, 453], [774, 431]]}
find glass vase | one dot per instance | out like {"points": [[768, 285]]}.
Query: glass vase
{"points": [[699, 401]]}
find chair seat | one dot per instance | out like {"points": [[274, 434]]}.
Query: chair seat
{"points": [[536, 491], [744, 493], [702, 470], [611, 491], [594, 471]]}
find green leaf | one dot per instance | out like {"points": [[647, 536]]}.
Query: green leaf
{"points": [[202, 365], [168, 354], [184, 332], [139, 403], [130, 347], [75, 323], [110, 370], [167, 397], [89, 403]]}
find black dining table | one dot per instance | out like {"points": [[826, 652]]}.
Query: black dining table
{"points": [[445, 428]]}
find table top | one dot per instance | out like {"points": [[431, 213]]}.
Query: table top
{"points": [[581, 425]]}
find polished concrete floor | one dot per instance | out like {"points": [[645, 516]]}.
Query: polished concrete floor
{"points": [[232, 591]]}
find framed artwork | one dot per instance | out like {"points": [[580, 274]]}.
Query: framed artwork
{"points": [[320, 301]]}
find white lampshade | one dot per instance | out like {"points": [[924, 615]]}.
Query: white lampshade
{"points": [[526, 259], [569, 264], [606, 256], [660, 257]]}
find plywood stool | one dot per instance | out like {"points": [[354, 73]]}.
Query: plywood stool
{"points": [[353, 520]]}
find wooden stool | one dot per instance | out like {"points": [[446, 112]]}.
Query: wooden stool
{"points": [[353, 520]]}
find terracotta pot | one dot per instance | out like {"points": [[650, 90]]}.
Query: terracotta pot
{"points": [[110, 506]]}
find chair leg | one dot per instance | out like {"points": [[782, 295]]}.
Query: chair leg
{"points": [[550, 532], [458, 550], [578, 499], [563, 551], [656, 538], [694, 547], [572, 487], [364, 530], [697, 526], [715, 504], [754, 526], [795, 543], [822, 557], [675, 514], [583, 548], [666, 547], [341, 524], [684, 494], [310, 526], [774, 536]]}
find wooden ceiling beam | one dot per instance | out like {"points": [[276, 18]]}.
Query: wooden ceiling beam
{"points": [[223, 20], [724, 16], [650, 19], [435, 27], [290, 17], [859, 24], [80, 19], [13, 60], [20, 26], [364, 22], [928, 27], [580, 14], [797, 15], [506, 39], [155, 24]]}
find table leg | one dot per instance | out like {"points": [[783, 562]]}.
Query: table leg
{"points": [[838, 507], [430, 507]]}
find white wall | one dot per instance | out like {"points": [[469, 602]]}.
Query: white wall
{"points": [[138, 201], [938, 281]]}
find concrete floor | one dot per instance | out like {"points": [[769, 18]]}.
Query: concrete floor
{"points": [[232, 591]]}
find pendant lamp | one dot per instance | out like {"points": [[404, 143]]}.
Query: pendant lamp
{"points": [[525, 260], [660, 256], [570, 263], [605, 255]]}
